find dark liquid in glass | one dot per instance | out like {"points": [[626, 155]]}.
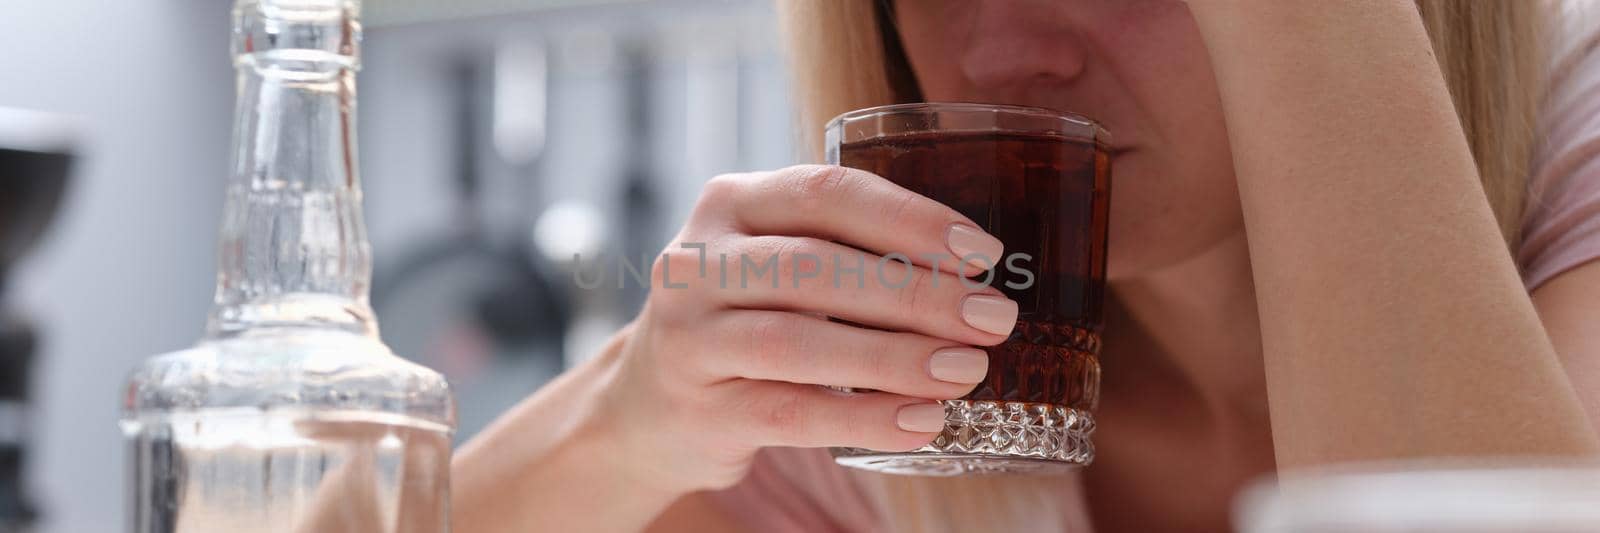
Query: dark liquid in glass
{"points": [[1042, 195]]}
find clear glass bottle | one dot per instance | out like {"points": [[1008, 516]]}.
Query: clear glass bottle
{"points": [[290, 414]]}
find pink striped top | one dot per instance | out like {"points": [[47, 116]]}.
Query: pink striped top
{"points": [[802, 490], [1561, 228]]}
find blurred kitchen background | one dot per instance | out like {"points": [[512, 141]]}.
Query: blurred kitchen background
{"points": [[497, 139]]}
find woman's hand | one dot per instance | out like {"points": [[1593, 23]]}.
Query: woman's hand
{"points": [[723, 361], [713, 370]]}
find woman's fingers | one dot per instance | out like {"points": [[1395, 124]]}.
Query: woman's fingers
{"points": [[809, 275], [788, 414], [860, 209], [804, 274], [793, 240], [779, 346]]}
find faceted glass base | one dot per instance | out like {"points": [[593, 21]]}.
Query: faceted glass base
{"points": [[989, 437]]}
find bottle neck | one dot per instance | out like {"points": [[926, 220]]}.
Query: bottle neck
{"points": [[293, 250]]}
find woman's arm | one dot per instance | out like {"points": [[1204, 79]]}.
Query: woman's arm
{"points": [[1393, 319], [529, 472], [545, 466], [1569, 306]]}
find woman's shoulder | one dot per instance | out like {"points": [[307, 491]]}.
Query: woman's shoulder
{"points": [[1561, 225], [1574, 45]]}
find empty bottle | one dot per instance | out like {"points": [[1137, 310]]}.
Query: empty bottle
{"points": [[290, 414]]}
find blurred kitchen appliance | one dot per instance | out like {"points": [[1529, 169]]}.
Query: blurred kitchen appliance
{"points": [[511, 300], [36, 158], [477, 300], [576, 130]]}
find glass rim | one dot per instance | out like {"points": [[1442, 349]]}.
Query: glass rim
{"points": [[1081, 127], [1372, 494]]}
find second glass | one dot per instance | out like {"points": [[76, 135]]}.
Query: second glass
{"points": [[1039, 181]]}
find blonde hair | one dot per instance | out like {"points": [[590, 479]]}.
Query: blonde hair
{"points": [[1489, 52]]}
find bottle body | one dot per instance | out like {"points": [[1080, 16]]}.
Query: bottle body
{"points": [[288, 431], [290, 414], [229, 484]]}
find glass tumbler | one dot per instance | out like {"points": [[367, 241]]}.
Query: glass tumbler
{"points": [[1039, 181]]}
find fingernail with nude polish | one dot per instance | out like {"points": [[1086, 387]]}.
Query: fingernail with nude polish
{"points": [[921, 418], [964, 241], [959, 365], [994, 314]]}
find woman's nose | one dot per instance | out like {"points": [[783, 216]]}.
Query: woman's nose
{"points": [[1021, 41]]}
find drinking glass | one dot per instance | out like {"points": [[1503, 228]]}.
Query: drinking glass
{"points": [[1039, 181], [1499, 495]]}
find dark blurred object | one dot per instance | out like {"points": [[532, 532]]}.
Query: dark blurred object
{"points": [[35, 161], [31, 186], [641, 204], [17, 346]]}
